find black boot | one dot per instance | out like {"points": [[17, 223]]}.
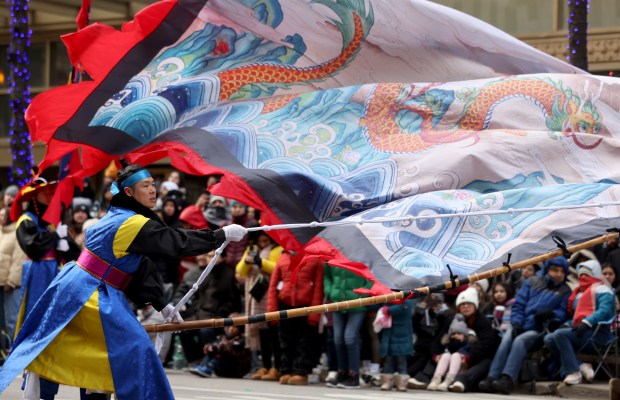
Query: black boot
{"points": [[503, 385], [486, 385]]}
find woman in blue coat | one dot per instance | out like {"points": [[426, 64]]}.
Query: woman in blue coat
{"points": [[82, 332]]}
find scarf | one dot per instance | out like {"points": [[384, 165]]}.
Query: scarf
{"points": [[587, 302]]}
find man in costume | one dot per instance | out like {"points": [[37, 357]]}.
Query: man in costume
{"points": [[47, 248], [83, 332]]}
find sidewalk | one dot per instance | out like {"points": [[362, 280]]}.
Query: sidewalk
{"points": [[597, 390]]}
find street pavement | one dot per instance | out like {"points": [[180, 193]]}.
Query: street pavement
{"points": [[189, 387]]}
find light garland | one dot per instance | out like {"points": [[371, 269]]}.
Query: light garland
{"points": [[19, 92], [578, 33]]}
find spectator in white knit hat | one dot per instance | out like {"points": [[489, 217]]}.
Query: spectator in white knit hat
{"points": [[475, 364]]}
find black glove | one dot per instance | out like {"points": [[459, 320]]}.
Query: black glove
{"points": [[581, 329], [543, 316], [516, 330]]}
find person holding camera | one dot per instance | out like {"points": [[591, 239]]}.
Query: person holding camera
{"points": [[253, 271]]}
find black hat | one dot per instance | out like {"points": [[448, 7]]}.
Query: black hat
{"points": [[81, 207]]}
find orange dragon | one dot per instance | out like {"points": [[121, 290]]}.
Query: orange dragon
{"points": [[562, 110], [234, 79]]}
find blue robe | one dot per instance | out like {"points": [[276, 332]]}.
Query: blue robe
{"points": [[82, 331]]}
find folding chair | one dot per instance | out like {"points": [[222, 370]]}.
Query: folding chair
{"points": [[601, 350]]}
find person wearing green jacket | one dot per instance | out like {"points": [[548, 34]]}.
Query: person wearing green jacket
{"points": [[338, 285]]}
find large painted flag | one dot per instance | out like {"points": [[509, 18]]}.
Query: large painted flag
{"points": [[352, 111]]}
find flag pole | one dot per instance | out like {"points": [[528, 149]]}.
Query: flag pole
{"points": [[367, 301]]}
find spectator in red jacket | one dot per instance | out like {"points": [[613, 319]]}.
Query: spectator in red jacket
{"points": [[299, 337]]}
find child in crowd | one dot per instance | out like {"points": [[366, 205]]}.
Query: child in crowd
{"points": [[339, 285], [396, 345], [502, 300], [609, 273], [450, 362], [431, 320], [227, 356]]}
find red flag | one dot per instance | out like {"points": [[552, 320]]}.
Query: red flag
{"points": [[83, 17]]}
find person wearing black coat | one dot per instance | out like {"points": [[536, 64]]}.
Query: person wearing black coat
{"points": [[217, 297], [478, 361], [431, 320]]}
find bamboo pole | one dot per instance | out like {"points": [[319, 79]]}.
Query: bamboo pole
{"points": [[367, 301]]}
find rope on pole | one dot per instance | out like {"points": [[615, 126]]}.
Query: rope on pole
{"points": [[367, 301]]}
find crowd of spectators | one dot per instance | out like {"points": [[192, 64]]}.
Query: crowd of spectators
{"points": [[473, 338]]}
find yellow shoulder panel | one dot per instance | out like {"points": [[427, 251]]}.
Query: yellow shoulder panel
{"points": [[127, 233], [22, 219]]}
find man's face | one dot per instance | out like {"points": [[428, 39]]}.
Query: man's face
{"points": [[144, 192], [556, 272]]}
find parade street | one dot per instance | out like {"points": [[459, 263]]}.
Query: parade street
{"points": [[189, 387]]}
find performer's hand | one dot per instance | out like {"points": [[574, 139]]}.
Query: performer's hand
{"points": [[61, 231], [167, 312], [234, 232], [62, 245]]}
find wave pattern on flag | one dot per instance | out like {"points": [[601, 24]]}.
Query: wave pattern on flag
{"points": [[314, 111]]}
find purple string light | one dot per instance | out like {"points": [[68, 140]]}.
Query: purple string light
{"points": [[19, 92], [571, 20]]}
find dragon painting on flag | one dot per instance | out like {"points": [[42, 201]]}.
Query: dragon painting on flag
{"points": [[351, 110]]}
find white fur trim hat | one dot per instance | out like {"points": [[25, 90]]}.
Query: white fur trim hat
{"points": [[484, 285], [590, 267], [469, 295]]}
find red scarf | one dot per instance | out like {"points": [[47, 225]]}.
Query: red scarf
{"points": [[587, 302]]}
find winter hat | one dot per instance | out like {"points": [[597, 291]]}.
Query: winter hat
{"points": [[11, 190], [193, 215], [169, 185], [216, 198], [590, 267], [469, 295], [579, 255], [484, 285], [458, 325], [561, 261], [81, 207], [235, 202]]}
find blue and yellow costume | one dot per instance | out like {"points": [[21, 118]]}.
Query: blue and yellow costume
{"points": [[83, 332], [41, 267], [38, 240]]}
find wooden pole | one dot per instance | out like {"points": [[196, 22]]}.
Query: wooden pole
{"points": [[367, 301]]}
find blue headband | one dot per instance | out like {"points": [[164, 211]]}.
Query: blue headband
{"points": [[130, 181]]}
